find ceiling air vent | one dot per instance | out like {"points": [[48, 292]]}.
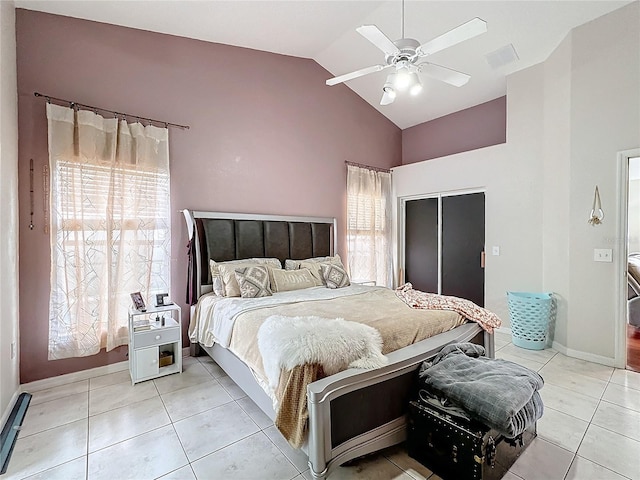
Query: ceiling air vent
{"points": [[502, 56]]}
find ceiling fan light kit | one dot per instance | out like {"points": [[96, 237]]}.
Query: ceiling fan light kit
{"points": [[403, 55], [416, 85]]}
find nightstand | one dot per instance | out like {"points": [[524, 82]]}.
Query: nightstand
{"points": [[155, 347]]}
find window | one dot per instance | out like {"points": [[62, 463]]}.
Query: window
{"points": [[369, 225], [110, 226]]}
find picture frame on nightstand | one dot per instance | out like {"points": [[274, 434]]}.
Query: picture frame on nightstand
{"points": [[138, 302]]}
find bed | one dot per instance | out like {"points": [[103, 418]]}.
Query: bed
{"points": [[345, 417]]}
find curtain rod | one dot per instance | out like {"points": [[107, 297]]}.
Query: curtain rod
{"points": [[91, 107], [368, 167]]}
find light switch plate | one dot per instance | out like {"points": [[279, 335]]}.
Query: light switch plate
{"points": [[495, 250], [602, 255]]}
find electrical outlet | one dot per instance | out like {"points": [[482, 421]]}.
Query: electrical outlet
{"points": [[603, 255]]}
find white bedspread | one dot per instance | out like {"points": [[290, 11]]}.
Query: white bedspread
{"points": [[215, 316]]}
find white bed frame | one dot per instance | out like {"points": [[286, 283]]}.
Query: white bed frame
{"points": [[333, 399]]}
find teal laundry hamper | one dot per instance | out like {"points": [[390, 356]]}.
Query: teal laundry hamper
{"points": [[530, 314]]}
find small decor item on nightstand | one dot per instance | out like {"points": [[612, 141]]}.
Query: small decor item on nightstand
{"points": [[162, 299], [141, 325], [138, 302], [166, 359]]}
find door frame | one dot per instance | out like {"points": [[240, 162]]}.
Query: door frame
{"points": [[402, 224], [622, 228]]}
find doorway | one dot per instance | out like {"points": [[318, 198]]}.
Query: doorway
{"points": [[632, 327], [443, 248]]}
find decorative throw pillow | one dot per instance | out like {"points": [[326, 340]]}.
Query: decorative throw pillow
{"points": [[287, 280], [227, 270], [253, 281], [335, 276], [315, 266]]}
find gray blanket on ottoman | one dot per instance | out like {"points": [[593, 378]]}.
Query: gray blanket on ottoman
{"points": [[501, 394]]}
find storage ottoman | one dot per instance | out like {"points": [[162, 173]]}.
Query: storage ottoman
{"points": [[459, 449]]}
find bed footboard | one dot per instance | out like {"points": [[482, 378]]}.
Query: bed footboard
{"points": [[347, 417]]}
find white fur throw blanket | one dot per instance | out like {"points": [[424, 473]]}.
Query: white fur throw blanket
{"points": [[336, 344]]}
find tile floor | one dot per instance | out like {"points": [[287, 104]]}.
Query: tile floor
{"points": [[200, 425]]}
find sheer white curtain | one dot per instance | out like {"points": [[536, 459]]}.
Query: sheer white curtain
{"points": [[369, 225], [110, 226]]}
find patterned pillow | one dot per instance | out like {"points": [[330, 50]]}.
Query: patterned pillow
{"points": [[253, 281], [227, 271], [335, 276]]}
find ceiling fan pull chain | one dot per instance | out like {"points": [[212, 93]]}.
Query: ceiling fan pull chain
{"points": [[402, 21]]}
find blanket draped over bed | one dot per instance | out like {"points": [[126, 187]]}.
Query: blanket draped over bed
{"points": [[398, 325], [432, 301], [499, 393]]}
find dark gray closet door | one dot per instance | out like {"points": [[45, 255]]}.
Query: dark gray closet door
{"points": [[462, 246], [421, 244]]}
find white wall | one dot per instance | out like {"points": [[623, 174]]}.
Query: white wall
{"points": [[605, 119], [9, 381], [556, 200], [566, 120]]}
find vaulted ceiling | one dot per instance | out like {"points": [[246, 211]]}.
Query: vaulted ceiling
{"points": [[325, 31]]}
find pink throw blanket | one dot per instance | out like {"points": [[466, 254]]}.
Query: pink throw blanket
{"points": [[431, 301]]}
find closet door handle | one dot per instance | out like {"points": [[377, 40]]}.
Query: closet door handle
{"points": [[482, 258]]}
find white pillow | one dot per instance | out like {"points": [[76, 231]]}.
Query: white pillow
{"points": [[290, 264]]}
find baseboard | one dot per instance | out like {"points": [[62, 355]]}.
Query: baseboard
{"points": [[186, 351], [589, 357], [7, 411], [74, 377], [569, 352]]}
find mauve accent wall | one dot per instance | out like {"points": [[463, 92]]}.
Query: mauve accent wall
{"points": [[267, 136], [476, 127]]}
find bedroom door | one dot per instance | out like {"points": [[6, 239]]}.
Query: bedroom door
{"points": [[444, 245]]}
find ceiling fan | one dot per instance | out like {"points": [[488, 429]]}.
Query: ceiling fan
{"points": [[404, 54]]}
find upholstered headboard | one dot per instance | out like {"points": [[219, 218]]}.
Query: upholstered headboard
{"points": [[233, 236]]}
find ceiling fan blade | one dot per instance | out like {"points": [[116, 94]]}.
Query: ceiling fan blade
{"points": [[379, 39], [468, 30], [356, 74], [444, 74]]}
